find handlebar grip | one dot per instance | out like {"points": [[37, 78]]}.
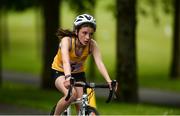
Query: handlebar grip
{"points": [[111, 92], [72, 81], [69, 93], [113, 83], [70, 89]]}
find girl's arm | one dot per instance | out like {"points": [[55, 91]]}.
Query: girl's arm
{"points": [[98, 60], [65, 43]]}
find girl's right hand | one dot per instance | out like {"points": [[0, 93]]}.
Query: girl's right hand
{"points": [[67, 82]]}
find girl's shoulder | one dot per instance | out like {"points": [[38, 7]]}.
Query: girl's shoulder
{"points": [[93, 45], [93, 42], [66, 38], [66, 41]]}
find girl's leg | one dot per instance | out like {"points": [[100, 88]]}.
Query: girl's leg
{"points": [[62, 104], [79, 91]]}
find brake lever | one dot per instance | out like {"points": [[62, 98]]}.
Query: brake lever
{"points": [[110, 96], [111, 92], [69, 93]]}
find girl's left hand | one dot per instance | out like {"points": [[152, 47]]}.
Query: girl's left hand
{"points": [[110, 85]]}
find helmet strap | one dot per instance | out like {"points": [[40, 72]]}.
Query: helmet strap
{"points": [[78, 39], [80, 42], [76, 32]]}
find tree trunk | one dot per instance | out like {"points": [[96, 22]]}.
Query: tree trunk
{"points": [[1, 48], [126, 51], [92, 68], [51, 24], [5, 36], [175, 66]]}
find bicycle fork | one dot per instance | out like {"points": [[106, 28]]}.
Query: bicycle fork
{"points": [[83, 106]]}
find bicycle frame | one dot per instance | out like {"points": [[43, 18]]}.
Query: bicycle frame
{"points": [[83, 105], [84, 100]]}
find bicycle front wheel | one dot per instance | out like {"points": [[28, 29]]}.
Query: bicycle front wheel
{"points": [[53, 110], [91, 111]]}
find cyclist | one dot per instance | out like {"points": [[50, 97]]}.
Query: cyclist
{"points": [[74, 48]]}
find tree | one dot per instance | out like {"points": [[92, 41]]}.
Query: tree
{"points": [[0, 52], [82, 6], [175, 66], [6, 5], [51, 23], [171, 7], [126, 51], [4, 29]]}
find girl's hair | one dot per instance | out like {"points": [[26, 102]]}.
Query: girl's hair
{"points": [[65, 33]]}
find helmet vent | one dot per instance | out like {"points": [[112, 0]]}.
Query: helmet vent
{"points": [[88, 17], [78, 20], [80, 16]]}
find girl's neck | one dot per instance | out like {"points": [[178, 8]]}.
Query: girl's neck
{"points": [[79, 44]]}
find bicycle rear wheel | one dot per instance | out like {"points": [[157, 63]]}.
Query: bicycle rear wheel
{"points": [[91, 111]]}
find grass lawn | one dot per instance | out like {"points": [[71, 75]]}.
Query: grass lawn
{"points": [[29, 96]]}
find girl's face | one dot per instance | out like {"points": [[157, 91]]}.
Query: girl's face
{"points": [[85, 34]]}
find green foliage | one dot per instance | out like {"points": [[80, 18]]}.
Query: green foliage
{"points": [[17, 5], [167, 6], [151, 8], [80, 6]]}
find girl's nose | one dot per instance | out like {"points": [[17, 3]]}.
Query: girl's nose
{"points": [[88, 36]]}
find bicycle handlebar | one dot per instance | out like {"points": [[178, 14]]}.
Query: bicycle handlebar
{"points": [[91, 85]]}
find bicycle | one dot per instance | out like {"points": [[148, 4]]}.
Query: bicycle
{"points": [[85, 108]]}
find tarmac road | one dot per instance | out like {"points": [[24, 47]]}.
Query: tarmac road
{"points": [[9, 109]]}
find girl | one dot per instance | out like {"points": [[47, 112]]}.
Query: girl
{"points": [[74, 48]]}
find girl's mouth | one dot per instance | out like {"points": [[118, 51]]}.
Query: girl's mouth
{"points": [[86, 42]]}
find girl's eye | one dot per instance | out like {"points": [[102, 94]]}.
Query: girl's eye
{"points": [[84, 33]]}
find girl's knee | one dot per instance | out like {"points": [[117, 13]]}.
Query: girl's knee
{"points": [[74, 96]]}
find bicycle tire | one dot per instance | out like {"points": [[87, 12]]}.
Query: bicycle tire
{"points": [[91, 111], [53, 110]]}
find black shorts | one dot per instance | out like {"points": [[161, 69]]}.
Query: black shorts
{"points": [[77, 76]]}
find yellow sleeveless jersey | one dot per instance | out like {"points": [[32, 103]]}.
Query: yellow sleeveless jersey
{"points": [[77, 62]]}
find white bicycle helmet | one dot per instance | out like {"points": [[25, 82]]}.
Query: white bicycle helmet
{"points": [[84, 18]]}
